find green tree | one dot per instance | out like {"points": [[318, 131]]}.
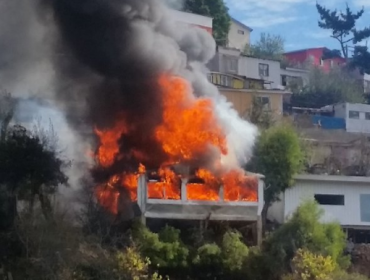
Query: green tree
{"points": [[30, 168], [278, 156], [216, 9], [337, 86], [343, 27], [7, 106], [304, 230], [268, 47], [259, 116]]}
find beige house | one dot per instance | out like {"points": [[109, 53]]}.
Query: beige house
{"points": [[239, 35], [242, 100]]}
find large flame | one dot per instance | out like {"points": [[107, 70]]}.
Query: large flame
{"points": [[189, 133]]}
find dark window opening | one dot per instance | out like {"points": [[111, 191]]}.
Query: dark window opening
{"points": [[329, 199], [241, 32], [354, 114]]}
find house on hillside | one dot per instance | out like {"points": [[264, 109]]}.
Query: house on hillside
{"points": [[315, 56], [241, 77], [343, 199], [239, 35], [232, 61]]}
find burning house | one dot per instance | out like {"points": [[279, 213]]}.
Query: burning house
{"points": [[165, 138]]}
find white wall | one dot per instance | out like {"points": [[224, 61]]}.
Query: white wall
{"points": [[190, 18], [236, 40], [360, 125], [350, 187], [299, 73], [341, 110], [249, 67]]}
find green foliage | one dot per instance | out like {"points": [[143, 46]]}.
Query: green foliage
{"points": [[278, 156], [7, 105], [268, 47], [224, 260], [344, 30], [309, 266], [216, 9], [30, 167], [343, 275], [168, 252], [305, 231], [208, 255], [337, 86], [234, 251], [259, 116]]}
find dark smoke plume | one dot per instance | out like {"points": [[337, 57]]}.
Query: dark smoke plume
{"points": [[99, 58]]}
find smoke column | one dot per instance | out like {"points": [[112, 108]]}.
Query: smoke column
{"points": [[98, 58]]}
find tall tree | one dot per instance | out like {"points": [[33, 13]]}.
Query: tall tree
{"points": [[279, 157], [268, 47], [337, 86], [344, 30], [216, 9], [29, 168]]}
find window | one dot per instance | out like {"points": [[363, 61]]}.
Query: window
{"points": [[354, 114], [263, 70], [225, 81], [329, 199], [367, 116], [231, 64], [284, 80], [367, 86], [365, 207], [241, 32], [265, 101]]}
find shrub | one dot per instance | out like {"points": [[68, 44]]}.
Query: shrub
{"points": [[164, 249], [305, 231], [234, 251], [309, 266]]}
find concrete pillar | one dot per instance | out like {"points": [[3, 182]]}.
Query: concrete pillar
{"points": [[143, 219], [259, 231]]}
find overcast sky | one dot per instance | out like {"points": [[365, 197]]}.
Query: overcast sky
{"points": [[295, 20]]}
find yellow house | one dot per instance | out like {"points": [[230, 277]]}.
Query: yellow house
{"points": [[240, 91], [242, 100]]}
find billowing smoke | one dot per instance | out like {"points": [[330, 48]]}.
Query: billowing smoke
{"points": [[99, 59]]}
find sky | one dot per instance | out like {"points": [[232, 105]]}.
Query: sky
{"points": [[295, 20]]}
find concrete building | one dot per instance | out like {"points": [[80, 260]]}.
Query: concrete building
{"points": [[240, 78], [239, 35], [186, 208], [314, 56], [367, 84], [294, 76], [356, 116], [242, 100], [231, 61], [343, 199], [203, 22]]}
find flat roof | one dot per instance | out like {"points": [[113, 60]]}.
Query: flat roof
{"points": [[263, 91], [308, 49], [242, 24], [332, 178]]}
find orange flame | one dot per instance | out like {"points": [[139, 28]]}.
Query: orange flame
{"points": [[189, 132]]}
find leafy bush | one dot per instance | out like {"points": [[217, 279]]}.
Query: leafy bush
{"points": [[164, 249], [208, 255], [234, 251], [309, 266], [305, 231]]}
